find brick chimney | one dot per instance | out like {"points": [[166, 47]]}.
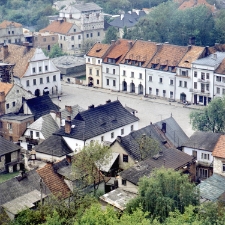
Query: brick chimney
{"points": [[68, 108], [113, 42], [5, 51], [68, 125]]}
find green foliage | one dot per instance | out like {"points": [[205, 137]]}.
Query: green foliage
{"points": [[111, 34], [55, 51], [54, 219], [164, 192], [211, 118]]}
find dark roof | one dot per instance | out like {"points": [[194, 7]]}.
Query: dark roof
{"points": [[41, 106], [7, 146], [173, 132], [61, 164], [14, 116], [13, 188], [54, 145], [203, 140], [74, 110], [171, 158], [128, 20], [99, 120]]}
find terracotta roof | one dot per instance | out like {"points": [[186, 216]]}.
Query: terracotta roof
{"points": [[6, 87], [221, 68], [193, 54], [142, 51], [219, 150], [60, 27], [98, 50], [119, 50], [53, 181], [6, 23], [168, 56], [192, 3], [217, 48], [18, 55]]}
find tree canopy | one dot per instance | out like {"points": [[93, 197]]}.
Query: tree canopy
{"points": [[111, 34]]}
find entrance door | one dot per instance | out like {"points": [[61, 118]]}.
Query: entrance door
{"points": [[195, 99]]}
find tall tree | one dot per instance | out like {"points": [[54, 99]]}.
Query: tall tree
{"points": [[111, 34]]}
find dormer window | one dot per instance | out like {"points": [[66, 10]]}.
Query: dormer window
{"points": [[170, 68], [153, 66], [139, 63], [161, 67], [127, 61], [132, 62]]}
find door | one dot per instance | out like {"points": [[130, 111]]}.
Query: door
{"points": [[205, 100], [195, 99]]}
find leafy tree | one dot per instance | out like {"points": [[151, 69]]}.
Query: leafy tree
{"points": [[54, 219], [211, 118], [111, 34], [55, 51], [164, 192], [219, 27]]}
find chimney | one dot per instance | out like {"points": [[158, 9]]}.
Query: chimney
{"points": [[68, 108], [189, 47], [5, 51], [130, 44], [158, 46], [191, 41], [91, 107], [206, 50], [164, 128], [68, 125], [113, 42], [108, 101]]}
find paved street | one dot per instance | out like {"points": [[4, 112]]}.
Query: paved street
{"points": [[149, 110]]}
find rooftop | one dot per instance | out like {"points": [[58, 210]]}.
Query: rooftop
{"points": [[7, 146], [71, 111], [16, 117], [98, 50], [194, 3], [219, 149], [68, 61], [221, 67], [81, 7], [5, 87], [7, 23]]}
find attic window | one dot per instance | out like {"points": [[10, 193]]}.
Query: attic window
{"points": [[153, 66], [132, 62], [186, 61], [170, 68], [140, 63], [127, 61], [98, 50], [161, 67]]}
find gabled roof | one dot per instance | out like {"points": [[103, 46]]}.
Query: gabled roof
{"points": [[171, 158], [99, 120], [141, 51], [75, 109], [7, 146], [5, 87], [212, 188], [60, 27], [7, 23], [98, 50], [55, 146], [45, 124], [15, 117], [13, 188], [18, 55], [54, 182], [82, 7], [203, 141], [193, 54], [41, 106], [119, 50], [221, 68], [219, 149]]}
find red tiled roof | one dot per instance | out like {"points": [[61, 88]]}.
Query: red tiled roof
{"points": [[221, 68], [6, 23], [5, 87], [54, 182], [219, 150], [192, 3], [98, 50]]}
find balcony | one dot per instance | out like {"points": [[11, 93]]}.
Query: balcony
{"points": [[202, 92], [203, 81]]}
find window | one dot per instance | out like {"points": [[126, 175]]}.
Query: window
{"points": [[180, 83], [185, 84], [124, 73], [200, 98], [218, 78], [79, 37], [44, 39], [47, 78], [164, 93], [124, 182], [97, 72], [132, 74], [107, 81], [91, 35], [114, 83], [195, 85], [207, 75], [171, 94], [102, 138], [37, 134], [90, 71], [107, 70], [195, 74], [46, 68], [140, 75], [223, 167], [8, 32], [203, 173], [0, 126], [218, 90], [9, 126], [114, 71], [41, 80], [74, 30], [171, 82], [160, 80], [28, 83], [97, 81], [112, 135], [150, 90], [157, 92], [53, 38], [87, 35], [72, 46], [122, 131], [125, 158], [72, 38], [7, 106], [33, 69], [54, 78], [150, 78], [223, 91], [60, 37], [89, 59], [64, 38], [131, 127], [99, 61], [34, 81], [9, 40], [203, 76], [12, 32], [79, 45], [98, 33], [40, 68], [205, 156]]}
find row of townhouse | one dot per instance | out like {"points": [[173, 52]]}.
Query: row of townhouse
{"points": [[181, 73]]}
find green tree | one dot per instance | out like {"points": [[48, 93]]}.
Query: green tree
{"points": [[219, 27], [211, 118], [111, 34], [165, 191], [54, 219], [55, 51]]}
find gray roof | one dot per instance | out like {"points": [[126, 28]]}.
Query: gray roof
{"points": [[17, 117], [170, 158], [74, 111], [13, 188], [68, 61], [7, 146], [54, 145], [81, 7], [212, 188], [202, 140], [211, 60], [46, 125]]}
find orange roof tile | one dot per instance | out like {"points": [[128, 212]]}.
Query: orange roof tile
{"points": [[219, 150], [192, 3], [142, 51], [18, 55], [5, 87], [221, 68], [119, 50], [6, 24], [98, 50], [60, 27], [54, 182], [193, 54]]}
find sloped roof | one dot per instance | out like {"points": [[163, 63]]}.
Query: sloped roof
{"points": [[98, 50], [194, 3], [7, 23], [203, 141], [219, 149], [221, 67], [75, 109], [212, 188], [18, 55], [5, 87], [41, 106], [57, 26], [7, 146], [171, 158], [99, 120], [82, 7], [193, 54], [119, 50], [53, 181], [141, 51], [14, 116], [12, 189], [54, 145], [46, 125]]}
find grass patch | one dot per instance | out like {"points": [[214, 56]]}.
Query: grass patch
{"points": [[7, 176]]}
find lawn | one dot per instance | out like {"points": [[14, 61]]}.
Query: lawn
{"points": [[7, 176]]}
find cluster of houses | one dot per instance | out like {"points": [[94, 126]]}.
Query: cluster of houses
{"points": [[179, 73]]}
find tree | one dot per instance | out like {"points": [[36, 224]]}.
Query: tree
{"points": [[211, 118], [54, 219], [111, 34], [55, 51], [165, 191]]}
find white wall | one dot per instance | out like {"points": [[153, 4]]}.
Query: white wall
{"points": [[128, 187], [27, 133], [219, 86], [48, 157]]}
